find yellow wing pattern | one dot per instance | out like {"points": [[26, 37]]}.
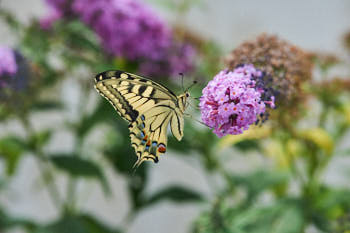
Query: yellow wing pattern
{"points": [[148, 106]]}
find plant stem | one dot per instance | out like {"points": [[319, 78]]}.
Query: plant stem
{"points": [[43, 164]]}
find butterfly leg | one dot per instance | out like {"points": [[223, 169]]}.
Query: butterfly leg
{"points": [[190, 116]]}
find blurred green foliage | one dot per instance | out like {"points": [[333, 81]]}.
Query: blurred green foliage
{"points": [[286, 195]]}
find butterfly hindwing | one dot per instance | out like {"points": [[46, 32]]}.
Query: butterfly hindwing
{"points": [[149, 134], [177, 125], [148, 106]]}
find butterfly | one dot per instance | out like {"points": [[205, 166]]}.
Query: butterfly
{"points": [[149, 107]]}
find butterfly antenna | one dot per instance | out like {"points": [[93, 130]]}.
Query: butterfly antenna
{"points": [[182, 81], [190, 116], [194, 83]]}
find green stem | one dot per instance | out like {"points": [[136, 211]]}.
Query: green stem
{"points": [[71, 193], [295, 170], [43, 165], [48, 179], [71, 201]]}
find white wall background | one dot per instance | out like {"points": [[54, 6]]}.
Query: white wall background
{"points": [[313, 24]]}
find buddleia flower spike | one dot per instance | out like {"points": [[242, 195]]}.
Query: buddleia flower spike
{"points": [[234, 100]]}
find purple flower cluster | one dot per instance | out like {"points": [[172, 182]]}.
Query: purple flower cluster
{"points": [[232, 101], [8, 65], [127, 28]]}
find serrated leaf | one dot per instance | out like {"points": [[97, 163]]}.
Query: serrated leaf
{"points": [[79, 167], [174, 193]]}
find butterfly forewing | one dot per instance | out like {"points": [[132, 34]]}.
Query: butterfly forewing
{"points": [[148, 106]]}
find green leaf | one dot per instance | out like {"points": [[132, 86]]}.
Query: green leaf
{"points": [[39, 139], [77, 224], [47, 105], [35, 43], [11, 149], [290, 221], [8, 222], [259, 181], [174, 193], [78, 35], [11, 20], [329, 205], [79, 167], [285, 216], [247, 145]]}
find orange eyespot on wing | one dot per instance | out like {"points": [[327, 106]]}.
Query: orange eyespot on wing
{"points": [[161, 148]]}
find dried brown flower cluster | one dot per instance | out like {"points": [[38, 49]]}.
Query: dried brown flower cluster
{"points": [[287, 65]]}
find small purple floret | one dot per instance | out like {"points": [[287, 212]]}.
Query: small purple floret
{"points": [[8, 64]]}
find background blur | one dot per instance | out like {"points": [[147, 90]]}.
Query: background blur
{"points": [[316, 26]]}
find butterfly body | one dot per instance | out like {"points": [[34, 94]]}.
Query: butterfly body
{"points": [[149, 107]]}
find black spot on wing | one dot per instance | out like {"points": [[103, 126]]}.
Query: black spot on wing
{"points": [[108, 74], [152, 93], [133, 114], [142, 90], [153, 157], [130, 88]]}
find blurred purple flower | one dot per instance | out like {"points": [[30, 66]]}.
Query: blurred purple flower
{"points": [[15, 71], [130, 29], [8, 65], [126, 27], [53, 16], [232, 101], [7, 61]]}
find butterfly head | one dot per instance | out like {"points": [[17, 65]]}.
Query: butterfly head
{"points": [[182, 101]]}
